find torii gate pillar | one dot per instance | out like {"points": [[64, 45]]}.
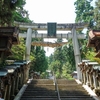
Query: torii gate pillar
{"points": [[28, 44], [76, 52]]}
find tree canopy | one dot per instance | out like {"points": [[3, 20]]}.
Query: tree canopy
{"points": [[12, 10], [84, 11]]}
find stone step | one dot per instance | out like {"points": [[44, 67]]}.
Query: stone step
{"points": [[42, 81], [71, 87], [65, 81], [40, 93], [67, 93], [40, 87], [56, 99], [77, 98], [39, 98]]}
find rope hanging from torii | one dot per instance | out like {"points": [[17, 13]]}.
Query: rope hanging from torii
{"points": [[48, 44]]}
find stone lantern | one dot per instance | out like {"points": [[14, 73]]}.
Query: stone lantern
{"points": [[8, 37], [94, 41]]}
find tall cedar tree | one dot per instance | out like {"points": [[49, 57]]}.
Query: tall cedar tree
{"points": [[84, 12], [97, 14], [40, 63]]}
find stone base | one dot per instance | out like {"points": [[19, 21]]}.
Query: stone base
{"points": [[88, 84], [97, 92]]}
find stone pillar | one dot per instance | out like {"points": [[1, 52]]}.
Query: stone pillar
{"points": [[17, 83], [91, 80], [76, 52], [12, 87], [87, 75], [94, 79], [28, 49], [27, 72], [8, 88], [28, 44], [5, 93], [80, 65], [20, 80], [24, 73], [84, 77]]}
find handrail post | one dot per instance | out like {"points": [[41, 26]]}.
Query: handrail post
{"points": [[56, 87]]}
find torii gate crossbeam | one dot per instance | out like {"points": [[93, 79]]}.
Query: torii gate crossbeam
{"points": [[62, 35], [43, 26]]}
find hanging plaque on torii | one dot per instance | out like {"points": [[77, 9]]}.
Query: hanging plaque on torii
{"points": [[51, 29]]}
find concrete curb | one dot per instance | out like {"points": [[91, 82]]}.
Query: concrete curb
{"points": [[18, 96]]}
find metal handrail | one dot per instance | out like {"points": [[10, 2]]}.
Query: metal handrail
{"points": [[56, 88]]}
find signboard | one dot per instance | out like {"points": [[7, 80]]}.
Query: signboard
{"points": [[51, 28]]}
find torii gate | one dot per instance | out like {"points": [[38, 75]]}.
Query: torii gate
{"points": [[62, 27]]}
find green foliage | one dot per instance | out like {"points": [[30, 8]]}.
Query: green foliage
{"points": [[44, 75], [84, 11], [63, 61], [83, 48], [69, 54], [97, 14], [55, 66], [59, 59], [90, 55], [66, 73], [10, 12], [40, 63], [50, 59], [20, 18], [18, 51]]}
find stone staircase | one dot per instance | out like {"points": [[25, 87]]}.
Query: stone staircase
{"points": [[44, 89]]}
